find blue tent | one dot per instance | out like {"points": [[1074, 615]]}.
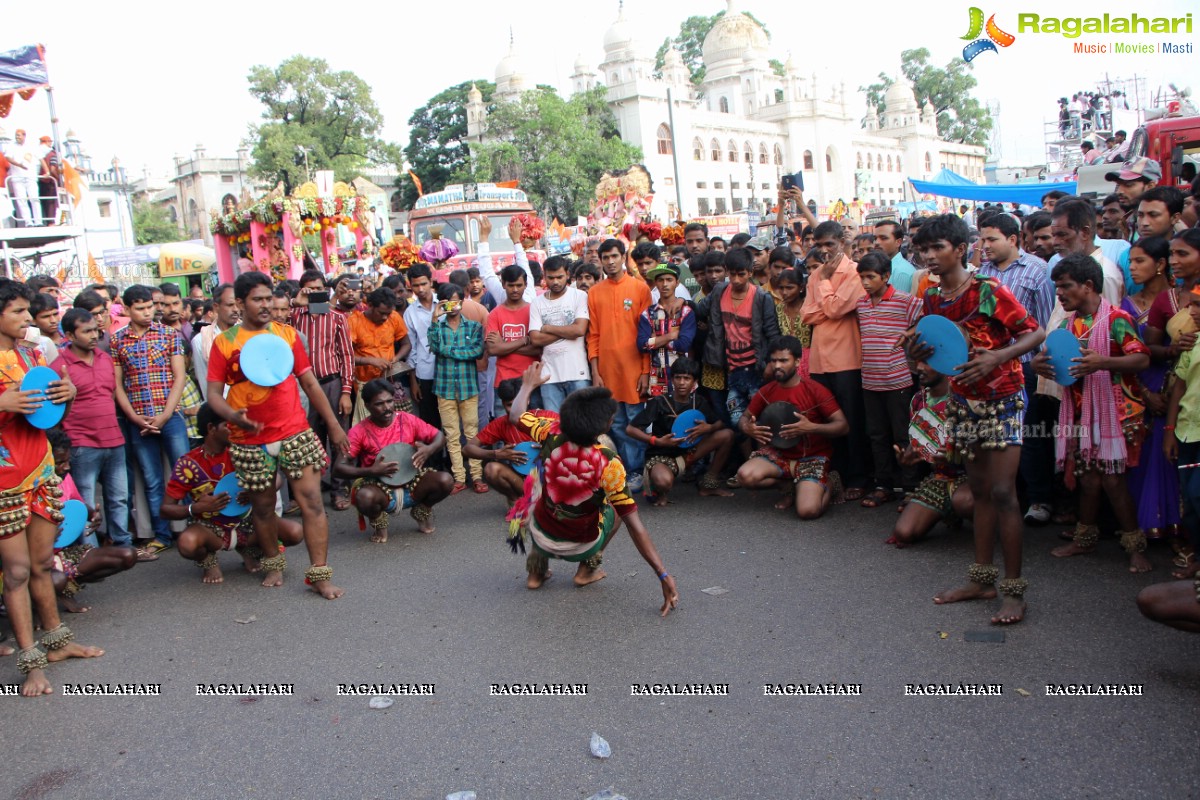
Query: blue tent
{"points": [[950, 184]]}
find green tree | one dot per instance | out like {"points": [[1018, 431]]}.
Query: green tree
{"points": [[437, 141], [557, 149], [152, 224], [960, 117], [690, 43], [308, 108]]}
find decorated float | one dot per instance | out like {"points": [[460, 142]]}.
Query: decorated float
{"points": [[270, 235]]}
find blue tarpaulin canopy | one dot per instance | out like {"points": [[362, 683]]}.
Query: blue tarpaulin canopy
{"points": [[950, 184], [23, 68]]}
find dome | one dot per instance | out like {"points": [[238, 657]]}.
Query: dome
{"points": [[928, 110], [509, 66], [474, 95], [620, 35], [734, 35], [900, 97], [581, 65], [672, 58]]}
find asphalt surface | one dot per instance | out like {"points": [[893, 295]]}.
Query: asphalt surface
{"points": [[814, 602]]}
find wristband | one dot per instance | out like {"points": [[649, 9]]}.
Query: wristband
{"points": [[663, 575], [1168, 428], [653, 441]]}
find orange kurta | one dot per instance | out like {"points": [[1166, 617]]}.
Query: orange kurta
{"points": [[614, 307], [829, 308]]}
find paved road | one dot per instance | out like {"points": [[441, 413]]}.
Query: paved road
{"points": [[807, 602]]}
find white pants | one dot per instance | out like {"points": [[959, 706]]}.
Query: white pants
{"points": [[26, 206]]}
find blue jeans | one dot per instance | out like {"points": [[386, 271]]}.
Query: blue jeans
{"points": [[743, 383], [631, 451], [553, 394], [149, 451], [106, 464]]}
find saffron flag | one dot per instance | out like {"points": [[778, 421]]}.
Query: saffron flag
{"points": [[506, 185], [73, 181], [416, 182], [94, 273]]}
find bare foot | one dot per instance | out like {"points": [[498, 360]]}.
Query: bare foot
{"points": [[971, 591], [660, 501], [273, 578], [213, 574], [379, 536], [1071, 549], [1012, 610], [535, 581], [585, 575], [426, 526], [786, 502], [327, 590], [251, 564], [717, 492], [1139, 563], [6, 651], [71, 607], [73, 650], [36, 684]]}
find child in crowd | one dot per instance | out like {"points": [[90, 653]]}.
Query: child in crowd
{"points": [[457, 343]]}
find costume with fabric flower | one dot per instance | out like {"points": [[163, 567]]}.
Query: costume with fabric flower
{"points": [[572, 497]]}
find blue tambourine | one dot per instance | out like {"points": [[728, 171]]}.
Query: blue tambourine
{"points": [[531, 451], [75, 517], [48, 414], [684, 423], [267, 360], [229, 485], [1061, 347], [948, 341]]}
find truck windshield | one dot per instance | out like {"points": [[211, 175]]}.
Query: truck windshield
{"points": [[453, 228]]}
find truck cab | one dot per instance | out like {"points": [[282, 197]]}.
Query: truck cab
{"points": [[456, 211], [1174, 142]]}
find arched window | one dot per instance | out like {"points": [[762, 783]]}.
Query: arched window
{"points": [[724, 105], [870, 161], [858, 161], [748, 153], [828, 162], [697, 149], [732, 151], [899, 165], [616, 79], [762, 153], [778, 156], [173, 214], [928, 162], [715, 147], [664, 140], [808, 159], [889, 163]]}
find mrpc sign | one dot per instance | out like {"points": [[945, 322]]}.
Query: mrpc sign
{"points": [[1101, 34]]}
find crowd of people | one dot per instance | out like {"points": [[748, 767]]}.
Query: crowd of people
{"points": [[790, 363]]}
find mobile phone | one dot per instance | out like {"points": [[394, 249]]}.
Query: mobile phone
{"points": [[354, 284], [794, 181], [318, 303]]}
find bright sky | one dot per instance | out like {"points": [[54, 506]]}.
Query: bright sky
{"points": [[144, 80]]}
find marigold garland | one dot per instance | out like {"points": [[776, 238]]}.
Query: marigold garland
{"points": [[531, 226], [672, 235], [399, 253]]}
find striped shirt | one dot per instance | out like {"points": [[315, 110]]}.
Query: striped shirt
{"points": [[329, 345], [880, 327], [1029, 281]]}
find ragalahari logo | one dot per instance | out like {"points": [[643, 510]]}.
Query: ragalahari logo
{"points": [[995, 36]]}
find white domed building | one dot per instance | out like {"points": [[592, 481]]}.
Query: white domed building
{"points": [[745, 126]]}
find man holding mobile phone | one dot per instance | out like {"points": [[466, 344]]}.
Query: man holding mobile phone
{"points": [[332, 354]]}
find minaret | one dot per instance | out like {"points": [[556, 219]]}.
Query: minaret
{"points": [[476, 113]]}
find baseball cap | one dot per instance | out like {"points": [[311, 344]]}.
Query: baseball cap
{"points": [[662, 269], [1135, 168], [762, 242]]}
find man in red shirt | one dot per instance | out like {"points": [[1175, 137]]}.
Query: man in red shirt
{"points": [[97, 444], [506, 335], [805, 464], [270, 433]]}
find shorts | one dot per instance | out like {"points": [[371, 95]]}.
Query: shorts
{"points": [[990, 424], [936, 493], [234, 533], [18, 506], [257, 464], [813, 468], [676, 464], [400, 497]]}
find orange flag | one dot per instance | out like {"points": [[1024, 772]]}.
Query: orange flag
{"points": [[94, 272], [506, 185], [73, 181], [416, 182]]}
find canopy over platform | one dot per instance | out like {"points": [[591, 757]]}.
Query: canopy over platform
{"points": [[950, 184]]}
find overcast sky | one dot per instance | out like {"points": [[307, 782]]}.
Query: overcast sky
{"points": [[145, 80]]}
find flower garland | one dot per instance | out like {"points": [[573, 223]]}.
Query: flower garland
{"points": [[400, 252], [317, 212], [531, 226], [672, 235]]}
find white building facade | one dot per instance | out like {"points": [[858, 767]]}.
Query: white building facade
{"points": [[745, 126]]}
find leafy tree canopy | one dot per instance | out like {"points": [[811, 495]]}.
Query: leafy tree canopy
{"points": [[960, 117], [152, 224], [437, 144]]}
